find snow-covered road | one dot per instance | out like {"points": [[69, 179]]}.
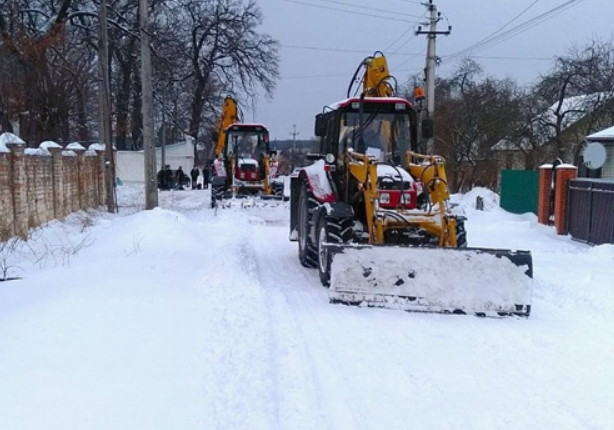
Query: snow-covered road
{"points": [[186, 319]]}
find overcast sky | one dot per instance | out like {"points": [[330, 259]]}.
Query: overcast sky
{"points": [[312, 78]]}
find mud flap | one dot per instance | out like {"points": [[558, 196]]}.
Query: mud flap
{"points": [[480, 281]]}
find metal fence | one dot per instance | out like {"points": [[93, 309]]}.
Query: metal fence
{"points": [[518, 191], [590, 210]]}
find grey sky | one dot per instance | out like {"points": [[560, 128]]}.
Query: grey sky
{"points": [[300, 95]]}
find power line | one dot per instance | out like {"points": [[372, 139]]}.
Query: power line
{"points": [[347, 11], [504, 26], [485, 57], [519, 29], [371, 8], [355, 51], [412, 57], [411, 28], [334, 76], [313, 76]]}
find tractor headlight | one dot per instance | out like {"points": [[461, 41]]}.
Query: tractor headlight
{"points": [[330, 158], [384, 198]]}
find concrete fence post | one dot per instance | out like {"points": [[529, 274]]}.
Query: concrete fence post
{"points": [[57, 163], [19, 189]]}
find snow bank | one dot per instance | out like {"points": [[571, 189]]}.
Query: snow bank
{"points": [[468, 200]]}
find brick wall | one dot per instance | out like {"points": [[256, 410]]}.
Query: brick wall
{"points": [[37, 186], [40, 195], [543, 193], [564, 173], [6, 197]]}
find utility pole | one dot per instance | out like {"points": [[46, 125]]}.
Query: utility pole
{"points": [[294, 133], [431, 59], [104, 97], [163, 148], [149, 147]]}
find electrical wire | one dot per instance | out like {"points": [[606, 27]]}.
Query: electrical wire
{"points": [[347, 11], [514, 31], [396, 13], [525, 10], [313, 76], [355, 51]]}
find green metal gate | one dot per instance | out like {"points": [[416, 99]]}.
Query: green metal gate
{"points": [[518, 191]]}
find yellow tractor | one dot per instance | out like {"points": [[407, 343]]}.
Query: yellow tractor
{"points": [[374, 216], [243, 164]]}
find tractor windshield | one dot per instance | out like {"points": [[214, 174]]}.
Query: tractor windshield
{"points": [[385, 136], [246, 144]]}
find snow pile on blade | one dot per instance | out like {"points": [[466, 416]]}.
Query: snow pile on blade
{"points": [[473, 280]]}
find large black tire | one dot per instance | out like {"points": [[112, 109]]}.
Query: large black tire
{"points": [[217, 194], [307, 253], [331, 230], [277, 189], [461, 233]]}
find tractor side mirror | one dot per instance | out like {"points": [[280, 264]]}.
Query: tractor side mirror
{"points": [[427, 128], [320, 127]]}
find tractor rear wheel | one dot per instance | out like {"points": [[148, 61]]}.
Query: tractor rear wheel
{"points": [[461, 233], [307, 254], [331, 231]]}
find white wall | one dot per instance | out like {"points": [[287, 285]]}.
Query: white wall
{"points": [[131, 164]]}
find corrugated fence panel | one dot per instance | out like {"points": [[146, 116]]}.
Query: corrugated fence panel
{"points": [[579, 213], [602, 220], [518, 191], [590, 213]]}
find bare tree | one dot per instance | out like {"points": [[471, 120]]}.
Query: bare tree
{"points": [[474, 114], [580, 87], [224, 49]]}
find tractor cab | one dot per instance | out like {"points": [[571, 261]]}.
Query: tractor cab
{"points": [[245, 148], [384, 129]]}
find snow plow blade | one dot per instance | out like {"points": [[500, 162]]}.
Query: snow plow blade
{"points": [[478, 281]]}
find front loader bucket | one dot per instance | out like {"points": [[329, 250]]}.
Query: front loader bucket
{"points": [[484, 282]]}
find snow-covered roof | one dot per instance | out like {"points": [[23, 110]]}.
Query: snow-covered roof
{"points": [[246, 125], [607, 134], [249, 161], [345, 102], [577, 107], [507, 145]]}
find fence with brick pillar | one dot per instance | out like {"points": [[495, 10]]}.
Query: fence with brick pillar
{"points": [[38, 185], [543, 193], [564, 172]]}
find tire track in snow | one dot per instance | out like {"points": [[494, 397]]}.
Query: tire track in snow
{"points": [[300, 403], [343, 400], [239, 386]]}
